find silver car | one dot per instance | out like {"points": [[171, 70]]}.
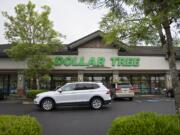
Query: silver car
{"points": [[122, 90]]}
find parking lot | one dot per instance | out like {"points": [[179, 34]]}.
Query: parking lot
{"points": [[82, 120]]}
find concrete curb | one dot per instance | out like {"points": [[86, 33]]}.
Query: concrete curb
{"points": [[11, 102], [17, 101], [27, 102]]}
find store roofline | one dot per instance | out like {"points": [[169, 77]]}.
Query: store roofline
{"points": [[125, 50]]}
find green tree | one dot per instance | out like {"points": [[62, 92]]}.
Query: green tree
{"points": [[143, 22], [33, 38]]}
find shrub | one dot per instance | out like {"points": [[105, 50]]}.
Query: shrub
{"points": [[146, 124], [19, 125], [33, 93]]}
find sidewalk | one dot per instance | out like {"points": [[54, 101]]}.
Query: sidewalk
{"points": [[149, 96], [152, 98], [16, 99]]}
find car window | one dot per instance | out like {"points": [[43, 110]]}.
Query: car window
{"points": [[95, 86], [89, 86], [69, 87], [81, 86], [125, 85], [86, 86]]}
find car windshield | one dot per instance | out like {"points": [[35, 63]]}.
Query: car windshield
{"points": [[57, 87], [124, 85]]}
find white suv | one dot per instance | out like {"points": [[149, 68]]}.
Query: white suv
{"points": [[80, 93]]}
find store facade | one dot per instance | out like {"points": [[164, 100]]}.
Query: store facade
{"points": [[89, 59]]}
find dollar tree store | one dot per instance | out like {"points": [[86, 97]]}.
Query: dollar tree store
{"points": [[90, 59]]}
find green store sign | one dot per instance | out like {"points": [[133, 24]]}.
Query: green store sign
{"points": [[96, 61]]}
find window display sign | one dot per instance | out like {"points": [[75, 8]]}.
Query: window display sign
{"points": [[96, 61]]}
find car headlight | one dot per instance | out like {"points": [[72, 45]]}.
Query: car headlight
{"points": [[37, 96]]}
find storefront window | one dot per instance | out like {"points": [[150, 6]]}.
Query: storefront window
{"points": [[145, 84], [1, 83], [88, 79], [136, 83], [13, 84], [60, 80], [99, 79], [162, 84], [45, 84], [8, 84], [104, 78], [157, 84], [154, 86], [124, 79]]}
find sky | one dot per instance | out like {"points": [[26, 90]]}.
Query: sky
{"points": [[71, 18]]}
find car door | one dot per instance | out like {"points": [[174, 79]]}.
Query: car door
{"points": [[66, 94], [84, 92]]}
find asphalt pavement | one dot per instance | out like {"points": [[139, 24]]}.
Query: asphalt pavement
{"points": [[84, 121]]}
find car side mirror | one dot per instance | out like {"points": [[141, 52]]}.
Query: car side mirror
{"points": [[60, 90]]}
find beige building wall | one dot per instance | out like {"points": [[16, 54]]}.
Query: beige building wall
{"points": [[146, 62]]}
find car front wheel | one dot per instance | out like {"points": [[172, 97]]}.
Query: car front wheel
{"points": [[96, 103], [47, 104]]}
